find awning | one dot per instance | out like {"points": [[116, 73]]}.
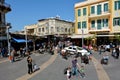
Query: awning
{"points": [[89, 35], [109, 35], [21, 40], [82, 36]]}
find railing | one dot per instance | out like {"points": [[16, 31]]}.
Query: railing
{"points": [[102, 13], [102, 28]]}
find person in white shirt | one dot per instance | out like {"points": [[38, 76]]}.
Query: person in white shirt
{"points": [[68, 73]]}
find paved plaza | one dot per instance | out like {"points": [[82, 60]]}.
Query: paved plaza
{"points": [[52, 67]]}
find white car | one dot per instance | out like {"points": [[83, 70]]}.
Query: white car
{"points": [[76, 49]]}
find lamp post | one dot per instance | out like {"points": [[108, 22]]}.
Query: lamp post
{"points": [[82, 38], [8, 26], [34, 39], [26, 39]]}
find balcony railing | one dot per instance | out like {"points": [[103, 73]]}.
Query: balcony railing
{"points": [[102, 29], [107, 13]]}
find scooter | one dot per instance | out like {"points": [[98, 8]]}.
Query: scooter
{"points": [[104, 60]]}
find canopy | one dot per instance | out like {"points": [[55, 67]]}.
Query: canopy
{"points": [[81, 36], [21, 40]]}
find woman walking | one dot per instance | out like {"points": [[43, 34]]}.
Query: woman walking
{"points": [[30, 67]]}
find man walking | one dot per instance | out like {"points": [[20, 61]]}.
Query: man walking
{"points": [[75, 66]]}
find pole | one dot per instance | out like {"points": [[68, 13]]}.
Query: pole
{"points": [[26, 40], [34, 36], [8, 41], [82, 37]]}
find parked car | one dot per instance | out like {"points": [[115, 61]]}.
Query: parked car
{"points": [[76, 50]]}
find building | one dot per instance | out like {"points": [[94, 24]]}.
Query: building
{"points": [[51, 26], [98, 17], [4, 8]]}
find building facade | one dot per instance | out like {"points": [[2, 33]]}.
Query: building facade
{"points": [[99, 17], [51, 26], [4, 8]]}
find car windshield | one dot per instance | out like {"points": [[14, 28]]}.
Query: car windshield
{"points": [[79, 48]]}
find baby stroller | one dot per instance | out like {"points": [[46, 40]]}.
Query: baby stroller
{"points": [[35, 67]]}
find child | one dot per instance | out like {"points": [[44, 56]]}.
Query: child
{"points": [[68, 74]]}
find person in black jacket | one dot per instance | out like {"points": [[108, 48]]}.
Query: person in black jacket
{"points": [[30, 67]]}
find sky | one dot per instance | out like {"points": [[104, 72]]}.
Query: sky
{"points": [[27, 12]]}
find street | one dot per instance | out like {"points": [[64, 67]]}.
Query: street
{"points": [[52, 68]]}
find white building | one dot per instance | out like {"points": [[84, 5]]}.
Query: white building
{"points": [[51, 26]]}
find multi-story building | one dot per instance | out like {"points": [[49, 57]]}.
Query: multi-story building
{"points": [[51, 26], [4, 8], [99, 17]]}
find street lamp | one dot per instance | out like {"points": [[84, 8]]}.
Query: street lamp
{"points": [[82, 38], [34, 39], [26, 39], [8, 26]]}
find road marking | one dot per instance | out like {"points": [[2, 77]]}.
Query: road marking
{"points": [[42, 67], [102, 75]]}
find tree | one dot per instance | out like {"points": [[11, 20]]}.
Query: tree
{"points": [[117, 36], [89, 39]]}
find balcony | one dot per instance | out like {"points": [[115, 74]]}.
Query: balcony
{"points": [[102, 15], [5, 7], [102, 29]]}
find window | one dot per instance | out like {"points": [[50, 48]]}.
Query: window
{"points": [[39, 29], [93, 10], [79, 25], [117, 5], [98, 9], [65, 29], [116, 21], [105, 7], [52, 29], [79, 12], [70, 47], [99, 24], [105, 22], [42, 29], [74, 48], [84, 11], [84, 24], [69, 30], [93, 24], [57, 29]]}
